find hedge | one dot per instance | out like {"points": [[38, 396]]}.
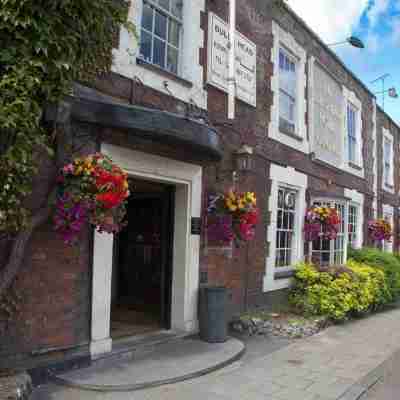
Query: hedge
{"points": [[386, 262], [339, 292]]}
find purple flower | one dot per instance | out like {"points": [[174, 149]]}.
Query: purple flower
{"points": [[220, 229], [70, 217]]}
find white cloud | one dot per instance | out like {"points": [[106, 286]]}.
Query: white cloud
{"points": [[377, 10], [395, 36], [332, 20]]}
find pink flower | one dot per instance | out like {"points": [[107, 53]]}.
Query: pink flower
{"points": [[68, 169]]}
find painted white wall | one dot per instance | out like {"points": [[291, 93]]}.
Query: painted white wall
{"points": [[283, 38], [288, 177], [186, 250], [101, 294], [358, 200], [189, 68]]}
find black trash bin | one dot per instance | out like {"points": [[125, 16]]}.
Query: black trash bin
{"points": [[212, 314]]}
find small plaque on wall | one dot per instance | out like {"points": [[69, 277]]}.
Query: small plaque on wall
{"points": [[196, 226]]}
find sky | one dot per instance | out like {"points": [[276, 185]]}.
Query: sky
{"points": [[376, 23]]}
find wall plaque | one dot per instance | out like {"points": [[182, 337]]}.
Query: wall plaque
{"points": [[218, 57], [328, 140], [196, 226]]}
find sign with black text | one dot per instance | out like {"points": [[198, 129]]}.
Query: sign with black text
{"points": [[218, 59]]}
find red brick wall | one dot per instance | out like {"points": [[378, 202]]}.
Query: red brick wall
{"points": [[55, 279]]}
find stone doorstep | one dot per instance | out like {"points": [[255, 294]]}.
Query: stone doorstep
{"points": [[128, 347], [15, 387], [169, 363]]}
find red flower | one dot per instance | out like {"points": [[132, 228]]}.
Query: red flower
{"points": [[247, 231], [110, 199]]}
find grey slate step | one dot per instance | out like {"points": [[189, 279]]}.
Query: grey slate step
{"points": [[170, 362]]}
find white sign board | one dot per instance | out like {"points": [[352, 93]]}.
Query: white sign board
{"points": [[328, 117], [218, 58]]}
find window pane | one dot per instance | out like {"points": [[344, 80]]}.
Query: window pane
{"points": [[279, 220], [173, 33], [285, 220], [145, 45], [282, 241], [172, 60], [160, 28], [176, 8], [159, 52], [285, 227], [281, 60], [387, 173], [147, 17], [351, 133], [286, 106], [352, 149], [291, 221], [280, 198], [287, 74]]}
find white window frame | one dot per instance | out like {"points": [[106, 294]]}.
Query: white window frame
{"points": [[284, 177], [169, 16], [285, 41], [345, 233], [357, 199], [287, 54], [350, 99], [189, 89], [295, 231], [386, 135], [388, 214]]}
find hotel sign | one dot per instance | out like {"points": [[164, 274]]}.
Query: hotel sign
{"points": [[218, 58], [327, 115]]}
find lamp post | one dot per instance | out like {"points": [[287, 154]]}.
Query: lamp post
{"points": [[392, 92], [352, 40]]}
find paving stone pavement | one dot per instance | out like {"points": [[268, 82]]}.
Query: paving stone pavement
{"points": [[388, 386], [327, 366]]}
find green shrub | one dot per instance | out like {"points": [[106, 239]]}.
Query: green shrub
{"points": [[338, 292], [387, 262]]}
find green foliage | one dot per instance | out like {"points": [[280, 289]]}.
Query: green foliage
{"points": [[339, 293], [387, 262], [45, 45]]}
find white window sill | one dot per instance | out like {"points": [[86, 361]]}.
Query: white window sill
{"points": [[354, 169], [159, 70], [277, 284]]}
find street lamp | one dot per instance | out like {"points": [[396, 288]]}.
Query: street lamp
{"points": [[352, 40], [392, 92]]}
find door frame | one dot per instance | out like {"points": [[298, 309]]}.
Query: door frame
{"points": [[187, 179]]}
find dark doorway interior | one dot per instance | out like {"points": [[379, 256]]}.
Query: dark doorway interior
{"points": [[142, 274]]}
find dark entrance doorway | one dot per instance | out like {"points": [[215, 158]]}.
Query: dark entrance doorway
{"points": [[142, 274]]}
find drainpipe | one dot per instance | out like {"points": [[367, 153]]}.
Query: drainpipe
{"points": [[231, 69]]}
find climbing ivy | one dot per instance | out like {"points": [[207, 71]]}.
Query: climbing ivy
{"points": [[45, 45]]}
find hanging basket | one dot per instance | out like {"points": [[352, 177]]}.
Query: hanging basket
{"points": [[379, 230], [232, 217], [321, 223], [91, 190]]}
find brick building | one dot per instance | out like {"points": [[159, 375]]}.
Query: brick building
{"points": [[317, 137]]}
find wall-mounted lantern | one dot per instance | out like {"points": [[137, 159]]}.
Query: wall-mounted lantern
{"points": [[244, 160]]}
